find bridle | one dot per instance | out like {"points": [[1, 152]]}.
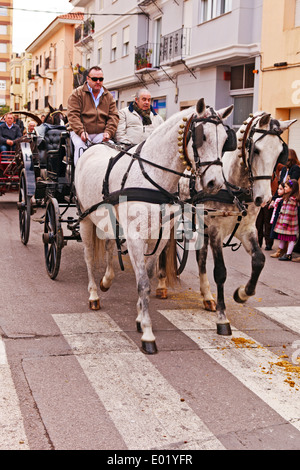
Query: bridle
{"points": [[248, 146], [196, 133]]}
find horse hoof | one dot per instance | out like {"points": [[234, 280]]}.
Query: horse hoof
{"points": [[162, 293], [149, 347], [237, 298], [210, 305], [138, 327], [224, 329], [94, 304], [104, 289]]}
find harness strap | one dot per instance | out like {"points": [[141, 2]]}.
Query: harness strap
{"points": [[234, 246]]}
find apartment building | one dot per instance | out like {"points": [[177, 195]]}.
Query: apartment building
{"points": [[280, 67], [20, 65], [50, 79], [6, 15], [181, 50]]}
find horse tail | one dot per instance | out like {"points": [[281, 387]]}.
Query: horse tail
{"points": [[171, 260], [99, 246]]}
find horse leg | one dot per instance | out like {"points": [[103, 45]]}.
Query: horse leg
{"points": [[208, 300], [220, 274], [162, 289], [242, 294], [87, 232], [109, 275], [136, 250]]}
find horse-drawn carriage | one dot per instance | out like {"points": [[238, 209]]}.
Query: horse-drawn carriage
{"points": [[194, 140], [9, 178]]}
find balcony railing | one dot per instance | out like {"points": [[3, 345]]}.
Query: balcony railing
{"points": [[147, 56], [50, 63], [85, 30], [175, 46]]}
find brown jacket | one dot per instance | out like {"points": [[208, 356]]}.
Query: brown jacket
{"points": [[84, 116]]}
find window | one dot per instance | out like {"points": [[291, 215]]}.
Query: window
{"points": [[297, 13], [100, 51], [243, 106], [126, 33], [2, 66], [3, 29], [210, 9], [2, 84], [3, 11], [242, 76], [113, 47], [3, 48], [17, 75]]}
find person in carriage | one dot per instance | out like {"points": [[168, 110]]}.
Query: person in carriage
{"points": [[138, 120], [92, 113], [9, 133]]}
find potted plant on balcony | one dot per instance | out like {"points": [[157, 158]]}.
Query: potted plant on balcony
{"points": [[92, 24], [149, 54]]}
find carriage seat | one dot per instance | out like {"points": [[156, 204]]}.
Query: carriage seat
{"points": [[49, 142]]}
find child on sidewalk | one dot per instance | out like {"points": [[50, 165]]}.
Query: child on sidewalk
{"points": [[276, 206], [287, 228]]}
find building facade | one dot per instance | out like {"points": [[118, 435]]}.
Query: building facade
{"points": [[280, 66], [50, 79], [20, 65], [6, 15], [180, 50]]}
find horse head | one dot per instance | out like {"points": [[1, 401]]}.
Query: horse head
{"points": [[56, 116], [206, 137], [261, 149]]}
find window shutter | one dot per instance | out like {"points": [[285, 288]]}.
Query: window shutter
{"points": [[297, 13]]}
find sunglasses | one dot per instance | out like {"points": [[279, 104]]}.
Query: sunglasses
{"points": [[96, 79]]}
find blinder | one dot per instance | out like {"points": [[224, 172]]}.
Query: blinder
{"points": [[231, 142], [283, 157]]}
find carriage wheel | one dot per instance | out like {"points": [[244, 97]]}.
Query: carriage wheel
{"points": [[52, 238], [24, 207], [181, 254]]}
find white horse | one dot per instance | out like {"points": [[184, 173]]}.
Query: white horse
{"points": [[247, 176], [154, 170], [250, 167]]}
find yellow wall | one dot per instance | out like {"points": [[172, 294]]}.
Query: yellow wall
{"points": [[279, 86]]}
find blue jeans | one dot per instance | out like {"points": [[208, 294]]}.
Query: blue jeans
{"points": [[6, 148]]}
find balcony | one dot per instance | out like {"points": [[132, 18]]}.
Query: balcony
{"points": [[32, 77], [175, 47], [50, 64], [146, 58], [85, 31]]}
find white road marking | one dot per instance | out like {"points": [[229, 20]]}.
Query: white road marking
{"points": [[251, 363], [288, 316], [12, 432], [137, 397]]}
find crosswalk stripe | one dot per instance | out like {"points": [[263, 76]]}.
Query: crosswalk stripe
{"points": [[288, 316], [134, 393], [261, 371], [12, 435]]}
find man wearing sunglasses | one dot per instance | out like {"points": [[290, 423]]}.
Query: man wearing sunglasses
{"points": [[92, 113]]}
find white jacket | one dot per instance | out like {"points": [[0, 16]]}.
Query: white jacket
{"points": [[131, 130]]}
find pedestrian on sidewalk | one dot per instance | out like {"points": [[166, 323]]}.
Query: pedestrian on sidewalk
{"points": [[276, 206], [287, 226]]}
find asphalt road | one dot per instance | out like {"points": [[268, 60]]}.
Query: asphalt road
{"points": [[72, 379]]}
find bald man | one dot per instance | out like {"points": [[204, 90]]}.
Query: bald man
{"points": [[138, 120]]}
